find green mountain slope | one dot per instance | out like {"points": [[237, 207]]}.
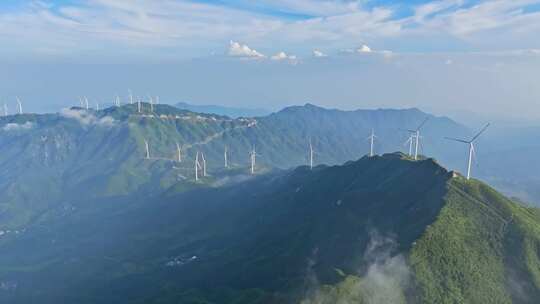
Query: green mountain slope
{"points": [[378, 230], [54, 159]]}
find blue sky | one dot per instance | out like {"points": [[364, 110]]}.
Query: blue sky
{"points": [[330, 52], [139, 30]]}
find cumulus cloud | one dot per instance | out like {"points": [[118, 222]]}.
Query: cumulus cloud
{"points": [[242, 50], [17, 127], [364, 49], [282, 56], [185, 27], [86, 118], [317, 53]]}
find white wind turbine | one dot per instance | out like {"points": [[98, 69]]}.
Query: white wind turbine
{"points": [[151, 101], [86, 103], [97, 106], [178, 153], [130, 97], [203, 164], [197, 166], [253, 158], [311, 154], [138, 104], [117, 101], [226, 157], [19, 104], [417, 137], [471, 148], [410, 142], [371, 139], [147, 148]]}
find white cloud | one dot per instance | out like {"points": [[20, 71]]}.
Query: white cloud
{"points": [[317, 53], [87, 118], [124, 29], [18, 127], [241, 50], [282, 56], [364, 49]]}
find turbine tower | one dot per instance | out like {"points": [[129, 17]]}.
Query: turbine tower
{"points": [[178, 153], [203, 164], [226, 158], [371, 139], [97, 106], [471, 148], [197, 166], [147, 147], [130, 97], [410, 141], [151, 101], [19, 104], [138, 105], [311, 152], [86, 103], [253, 158], [417, 137], [117, 101]]}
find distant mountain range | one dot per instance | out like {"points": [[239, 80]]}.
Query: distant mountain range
{"points": [[54, 159], [223, 110], [383, 229]]}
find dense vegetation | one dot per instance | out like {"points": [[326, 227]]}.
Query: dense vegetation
{"points": [[377, 230], [54, 159]]}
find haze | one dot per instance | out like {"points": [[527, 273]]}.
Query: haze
{"points": [[448, 57]]}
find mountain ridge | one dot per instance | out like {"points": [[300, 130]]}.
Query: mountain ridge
{"points": [[336, 232]]}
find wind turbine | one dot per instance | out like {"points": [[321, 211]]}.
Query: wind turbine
{"points": [[253, 158], [371, 139], [197, 166], [417, 137], [226, 157], [147, 147], [151, 101], [203, 164], [311, 153], [178, 153], [86, 103], [139, 104], [410, 141], [19, 105], [117, 101], [130, 97], [471, 147], [97, 106]]}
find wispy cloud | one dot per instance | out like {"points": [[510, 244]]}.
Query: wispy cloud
{"points": [[86, 118], [181, 28], [317, 53], [18, 127]]}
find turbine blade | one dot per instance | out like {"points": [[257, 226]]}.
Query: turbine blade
{"points": [[407, 141], [481, 131], [422, 124], [455, 139]]}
